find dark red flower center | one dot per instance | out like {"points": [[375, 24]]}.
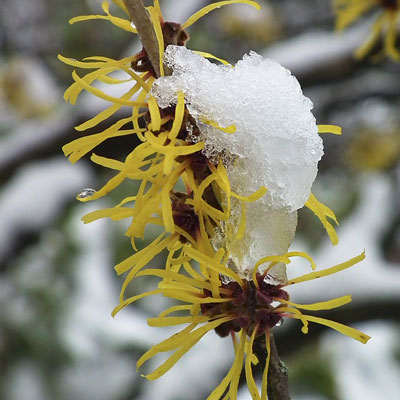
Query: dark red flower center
{"points": [[183, 214], [172, 34], [251, 306]]}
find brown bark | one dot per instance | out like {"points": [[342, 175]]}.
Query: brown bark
{"points": [[142, 21], [278, 382]]}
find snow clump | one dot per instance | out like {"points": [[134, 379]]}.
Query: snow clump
{"points": [[276, 143]]}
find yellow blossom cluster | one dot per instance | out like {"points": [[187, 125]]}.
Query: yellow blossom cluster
{"points": [[212, 295]]}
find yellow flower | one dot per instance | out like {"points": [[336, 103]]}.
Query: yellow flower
{"points": [[386, 24], [171, 152], [165, 155], [216, 298]]}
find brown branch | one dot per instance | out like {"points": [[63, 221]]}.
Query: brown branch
{"points": [[142, 21], [278, 382]]}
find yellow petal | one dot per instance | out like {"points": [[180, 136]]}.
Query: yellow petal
{"points": [[99, 93], [143, 261], [108, 162], [179, 113], [171, 361], [191, 297], [303, 255], [72, 93], [98, 65], [189, 269], [173, 150], [179, 338], [167, 210], [172, 321], [208, 55], [210, 263], [173, 309], [327, 271], [242, 225], [107, 112], [154, 114], [233, 372], [86, 18], [343, 329], [107, 188], [128, 263], [188, 342], [322, 212], [79, 147], [121, 5], [113, 213], [293, 311], [228, 129], [248, 370], [334, 129], [253, 197], [156, 19], [323, 305], [205, 10], [133, 299], [169, 344], [264, 383], [119, 22]]}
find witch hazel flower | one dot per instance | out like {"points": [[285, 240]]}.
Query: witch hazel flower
{"points": [[243, 307], [244, 143]]}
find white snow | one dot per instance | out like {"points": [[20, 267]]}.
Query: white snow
{"points": [[276, 143], [268, 232]]}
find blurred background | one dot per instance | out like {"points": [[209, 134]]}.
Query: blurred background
{"points": [[57, 283]]}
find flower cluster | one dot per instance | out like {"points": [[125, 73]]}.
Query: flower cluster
{"points": [[385, 25], [204, 227]]}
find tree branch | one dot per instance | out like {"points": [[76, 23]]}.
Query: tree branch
{"points": [[278, 382], [141, 18]]}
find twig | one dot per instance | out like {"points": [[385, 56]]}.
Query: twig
{"points": [[278, 382], [142, 21]]}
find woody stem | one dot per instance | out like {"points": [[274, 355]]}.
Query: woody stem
{"points": [[144, 26], [278, 382]]}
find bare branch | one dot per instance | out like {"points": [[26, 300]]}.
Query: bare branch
{"points": [[141, 18], [278, 382]]}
